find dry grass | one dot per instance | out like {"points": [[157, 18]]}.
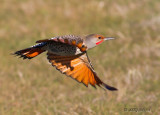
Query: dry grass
{"points": [[131, 62]]}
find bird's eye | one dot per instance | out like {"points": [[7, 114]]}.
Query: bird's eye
{"points": [[99, 37]]}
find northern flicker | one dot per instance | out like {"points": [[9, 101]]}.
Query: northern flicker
{"points": [[68, 54]]}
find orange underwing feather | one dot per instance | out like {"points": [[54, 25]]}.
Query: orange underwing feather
{"points": [[77, 67], [80, 77]]}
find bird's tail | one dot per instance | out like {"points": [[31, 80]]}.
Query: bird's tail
{"points": [[31, 52]]}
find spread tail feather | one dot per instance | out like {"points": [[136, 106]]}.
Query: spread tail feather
{"points": [[29, 53]]}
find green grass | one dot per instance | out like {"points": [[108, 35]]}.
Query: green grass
{"points": [[131, 62]]}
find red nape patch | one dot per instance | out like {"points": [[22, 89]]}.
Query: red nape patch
{"points": [[99, 42]]}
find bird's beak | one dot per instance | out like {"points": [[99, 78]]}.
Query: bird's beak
{"points": [[108, 38]]}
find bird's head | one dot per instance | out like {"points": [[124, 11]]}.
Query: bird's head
{"points": [[93, 40]]}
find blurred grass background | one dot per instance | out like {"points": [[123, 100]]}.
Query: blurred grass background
{"points": [[131, 62]]}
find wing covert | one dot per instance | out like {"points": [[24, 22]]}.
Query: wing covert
{"points": [[68, 39]]}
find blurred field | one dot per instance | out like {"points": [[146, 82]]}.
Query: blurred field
{"points": [[131, 62]]}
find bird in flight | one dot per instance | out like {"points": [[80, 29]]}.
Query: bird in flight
{"points": [[68, 54]]}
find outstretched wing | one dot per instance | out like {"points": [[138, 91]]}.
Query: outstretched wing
{"points": [[77, 67], [68, 39]]}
